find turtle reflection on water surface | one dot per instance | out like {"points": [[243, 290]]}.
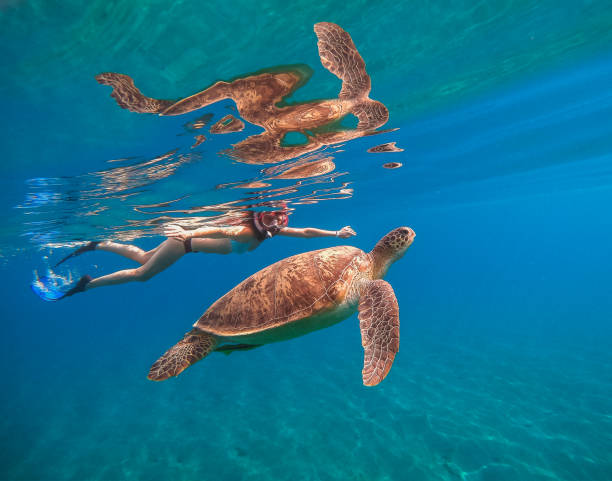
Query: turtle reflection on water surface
{"points": [[258, 96]]}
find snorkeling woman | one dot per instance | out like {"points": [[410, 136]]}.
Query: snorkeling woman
{"points": [[237, 239]]}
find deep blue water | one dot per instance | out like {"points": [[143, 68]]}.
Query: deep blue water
{"points": [[505, 368]]}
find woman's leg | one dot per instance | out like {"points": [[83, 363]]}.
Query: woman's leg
{"points": [[126, 250], [166, 254]]}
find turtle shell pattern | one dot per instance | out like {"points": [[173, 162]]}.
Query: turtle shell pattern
{"points": [[289, 290]]}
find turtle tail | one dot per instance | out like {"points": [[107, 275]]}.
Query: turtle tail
{"points": [[194, 346]]}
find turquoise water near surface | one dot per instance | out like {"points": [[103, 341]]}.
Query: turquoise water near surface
{"points": [[504, 368]]}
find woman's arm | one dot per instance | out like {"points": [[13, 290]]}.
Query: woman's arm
{"points": [[173, 230], [309, 232]]}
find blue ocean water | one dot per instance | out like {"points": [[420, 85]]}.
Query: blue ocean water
{"points": [[504, 372]]}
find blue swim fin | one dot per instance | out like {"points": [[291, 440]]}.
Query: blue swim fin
{"points": [[50, 288], [47, 289], [90, 246]]}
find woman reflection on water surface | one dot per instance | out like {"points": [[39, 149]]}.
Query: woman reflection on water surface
{"points": [[237, 239]]}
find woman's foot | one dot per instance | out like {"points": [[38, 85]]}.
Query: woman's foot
{"points": [[90, 246], [78, 287]]}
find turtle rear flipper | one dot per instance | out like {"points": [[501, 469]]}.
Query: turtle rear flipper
{"points": [[379, 324], [194, 346], [129, 97]]}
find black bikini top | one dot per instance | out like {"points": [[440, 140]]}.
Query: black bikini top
{"points": [[264, 231]]}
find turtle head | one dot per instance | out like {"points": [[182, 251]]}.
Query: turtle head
{"points": [[390, 248]]}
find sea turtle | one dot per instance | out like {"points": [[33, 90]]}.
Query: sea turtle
{"points": [[260, 99], [298, 295]]}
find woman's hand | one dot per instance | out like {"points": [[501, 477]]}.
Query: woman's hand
{"points": [[346, 232], [173, 230]]}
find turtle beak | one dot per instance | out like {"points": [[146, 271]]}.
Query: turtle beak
{"points": [[408, 232]]}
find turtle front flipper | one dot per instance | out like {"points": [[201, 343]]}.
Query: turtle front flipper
{"points": [[379, 324], [219, 91], [340, 56], [370, 114], [194, 346], [129, 97]]}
